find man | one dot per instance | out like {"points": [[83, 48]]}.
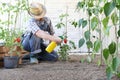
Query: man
{"points": [[39, 28]]}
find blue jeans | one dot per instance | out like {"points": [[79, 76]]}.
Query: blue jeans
{"points": [[33, 44]]}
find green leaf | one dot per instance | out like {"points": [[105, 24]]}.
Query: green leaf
{"points": [[100, 1], [61, 37], [82, 60], [105, 22], [118, 74], [107, 30], [95, 11], [89, 59], [80, 5], [89, 12], [60, 25], [99, 62], [118, 7], [109, 73], [62, 16], [115, 63], [80, 22], [98, 30], [89, 44], [101, 10], [119, 32], [90, 4], [106, 53], [87, 35], [118, 4], [94, 23], [108, 8], [74, 23], [81, 42], [72, 44], [84, 23], [114, 18], [97, 45], [112, 47]]}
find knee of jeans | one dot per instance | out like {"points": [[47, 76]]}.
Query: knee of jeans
{"points": [[26, 47]]}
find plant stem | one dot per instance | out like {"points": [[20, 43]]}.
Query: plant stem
{"points": [[66, 20], [8, 18], [119, 19], [100, 34], [100, 37], [116, 33], [116, 40], [16, 19], [90, 33]]}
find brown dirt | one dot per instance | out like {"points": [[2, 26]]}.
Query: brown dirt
{"points": [[72, 70]]}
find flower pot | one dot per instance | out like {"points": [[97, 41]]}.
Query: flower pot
{"points": [[11, 62]]}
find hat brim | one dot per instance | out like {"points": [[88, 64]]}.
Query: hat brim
{"points": [[39, 16]]}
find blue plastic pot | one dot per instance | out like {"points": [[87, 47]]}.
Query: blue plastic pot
{"points": [[11, 62]]}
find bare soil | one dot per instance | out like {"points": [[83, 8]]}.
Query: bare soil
{"points": [[73, 69]]}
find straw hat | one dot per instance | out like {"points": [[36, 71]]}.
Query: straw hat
{"points": [[37, 10]]}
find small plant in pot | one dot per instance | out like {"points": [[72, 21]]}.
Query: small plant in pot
{"points": [[11, 58]]}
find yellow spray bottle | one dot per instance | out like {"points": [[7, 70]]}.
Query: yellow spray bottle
{"points": [[51, 47]]}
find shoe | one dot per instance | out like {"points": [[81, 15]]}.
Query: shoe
{"points": [[34, 60]]}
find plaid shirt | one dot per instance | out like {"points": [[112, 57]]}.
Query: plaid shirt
{"points": [[35, 25]]}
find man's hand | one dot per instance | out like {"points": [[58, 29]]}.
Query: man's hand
{"points": [[58, 40]]}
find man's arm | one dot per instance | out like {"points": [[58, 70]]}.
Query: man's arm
{"points": [[44, 35]]}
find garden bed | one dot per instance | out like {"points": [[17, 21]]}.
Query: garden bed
{"points": [[60, 70]]}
